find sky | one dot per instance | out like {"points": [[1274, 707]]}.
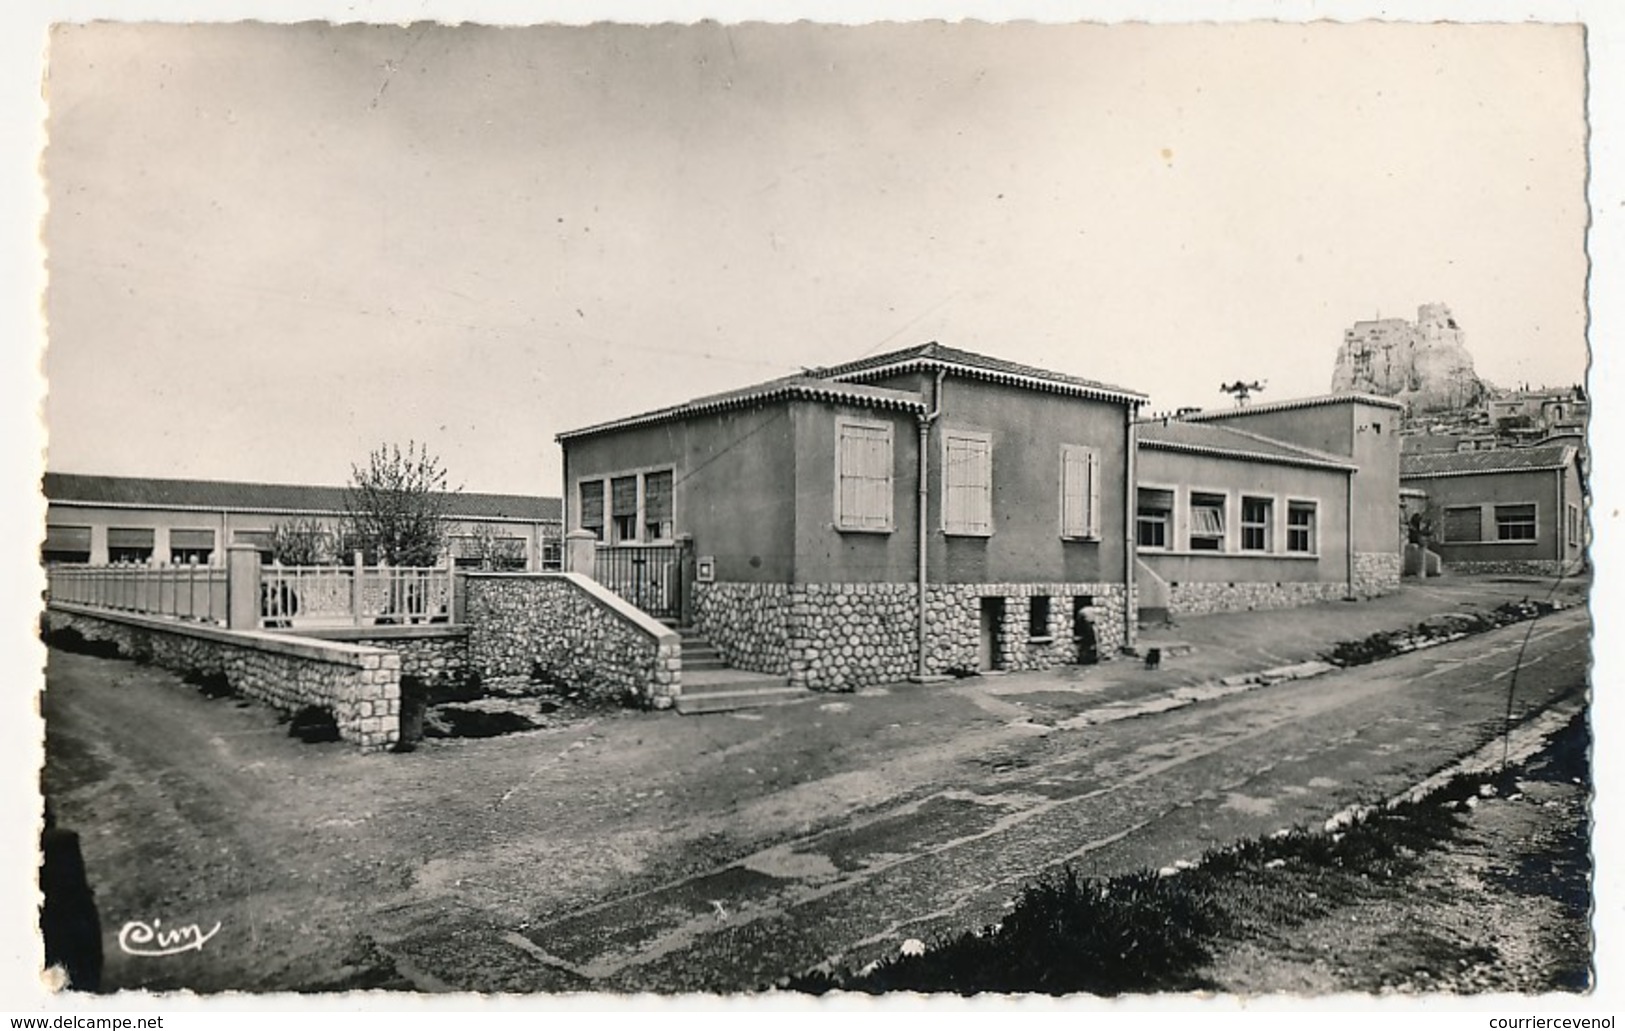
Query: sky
{"points": [[272, 248]]}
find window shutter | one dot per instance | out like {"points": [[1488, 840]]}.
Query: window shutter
{"points": [[864, 477], [967, 485]]}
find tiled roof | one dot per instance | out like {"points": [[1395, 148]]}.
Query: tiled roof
{"points": [[1473, 463], [797, 387], [1228, 442], [934, 356], [1297, 402], [217, 495]]}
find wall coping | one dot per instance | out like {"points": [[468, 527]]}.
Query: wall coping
{"points": [[640, 619], [420, 631], [260, 640]]}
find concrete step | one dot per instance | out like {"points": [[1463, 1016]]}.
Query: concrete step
{"points": [[693, 664], [730, 698]]}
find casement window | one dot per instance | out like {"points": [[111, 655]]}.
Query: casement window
{"points": [[863, 476], [1207, 522], [191, 546], [592, 507], [657, 506], [129, 545], [1038, 617], [967, 482], [1080, 491], [623, 509], [1154, 511], [1256, 523], [1300, 527], [66, 544], [1514, 522]]}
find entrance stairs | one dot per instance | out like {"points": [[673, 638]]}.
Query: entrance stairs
{"points": [[711, 685]]}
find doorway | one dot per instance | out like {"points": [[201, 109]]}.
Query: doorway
{"points": [[989, 657]]}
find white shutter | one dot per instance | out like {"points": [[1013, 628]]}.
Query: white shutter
{"points": [[1080, 491], [1092, 514], [968, 483], [863, 476]]}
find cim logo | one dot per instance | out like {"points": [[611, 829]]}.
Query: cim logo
{"points": [[139, 938]]}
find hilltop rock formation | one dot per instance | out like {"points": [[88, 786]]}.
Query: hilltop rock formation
{"points": [[1423, 363]]}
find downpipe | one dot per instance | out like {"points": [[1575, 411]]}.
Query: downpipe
{"points": [[923, 497]]}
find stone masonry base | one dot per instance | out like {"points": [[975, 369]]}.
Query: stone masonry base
{"points": [[844, 636]]}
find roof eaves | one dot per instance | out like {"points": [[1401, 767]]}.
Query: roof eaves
{"points": [[1099, 392], [1247, 456], [1292, 403], [895, 400]]}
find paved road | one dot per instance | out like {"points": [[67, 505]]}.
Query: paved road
{"points": [[712, 854], [1109, 799]]}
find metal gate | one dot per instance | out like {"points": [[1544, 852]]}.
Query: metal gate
{"points": [[649, 576]]}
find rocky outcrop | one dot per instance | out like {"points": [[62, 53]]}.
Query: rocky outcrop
{"points": [[1423, 363]]}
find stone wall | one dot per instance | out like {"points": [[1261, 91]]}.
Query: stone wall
{"points": [[359, 685], [1377, 572], [564, 627], [1191, 599], [434, 654], [1514, 567], [845, 636]]}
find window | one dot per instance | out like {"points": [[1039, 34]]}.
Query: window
{"points": [[552, 548], [967, 482], [1207, 522], [1080, 491], [260, 539], [129, 545], [1038, 617], [1514, 522], [592, 507], [1574, 526], [66, 544], [623, 509], [1154, 507], [863, 475], [1463, 525], [657, 506], [1300, 527], [191, 546], [1255, 524]]}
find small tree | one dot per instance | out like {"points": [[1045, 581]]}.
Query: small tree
{"points": [[495, 551], [395, 507], [302, 542]]}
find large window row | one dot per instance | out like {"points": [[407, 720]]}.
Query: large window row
{"points": [[633, 508], [1467, 524], [1203, 525]]}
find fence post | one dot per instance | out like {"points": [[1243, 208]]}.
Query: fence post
{"points": [[357, 571], [685, 578], [242, 587], [581, 552]]}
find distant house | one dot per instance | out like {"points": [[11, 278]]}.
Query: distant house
{"points": [[103, 519], [817, 510], [1230, 520], [1511, 510]]}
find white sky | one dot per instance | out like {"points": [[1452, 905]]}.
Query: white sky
{"points": [[272, 247]]}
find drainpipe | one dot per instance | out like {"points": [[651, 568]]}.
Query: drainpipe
{"points": [[925, 422], [1131, 618]]}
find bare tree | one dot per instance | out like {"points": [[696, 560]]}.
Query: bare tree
{"points": [[303, 542], [395, 507]]}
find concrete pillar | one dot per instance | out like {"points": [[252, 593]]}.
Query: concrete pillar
{"points": [[243, 587], [580, 552]]}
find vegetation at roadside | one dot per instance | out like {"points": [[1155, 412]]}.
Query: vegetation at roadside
{"points": [[1156, 931], [1435, 630]]}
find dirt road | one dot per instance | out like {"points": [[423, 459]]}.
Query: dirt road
{"points": [[717, 853]]}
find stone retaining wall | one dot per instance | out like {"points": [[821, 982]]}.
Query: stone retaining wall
{"points": [[844, 636], [1191, 599], [564, 627], [1513, 567], [359, 685], [434, 654], [1377, 572]]}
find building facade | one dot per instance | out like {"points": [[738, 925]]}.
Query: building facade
{"points": [[1510, 510], [822, 510], [1228, 520], [102, 519]]}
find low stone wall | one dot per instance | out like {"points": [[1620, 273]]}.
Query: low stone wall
{"points": [[565, 627], [1377, 572], [844, 636], [1513, 567], [435, 653], [359, 685], [1192, 599]]}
